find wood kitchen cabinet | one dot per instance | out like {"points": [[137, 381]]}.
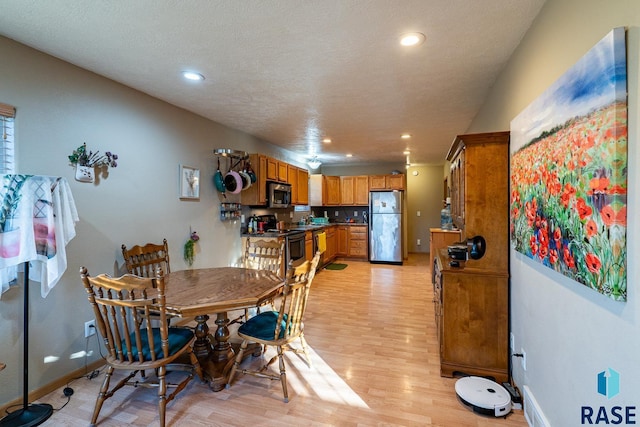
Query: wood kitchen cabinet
{"points": [[342, 240], [303, 186], [387, 182], [308, 245], [471, 301], [331, 191], [256, 195], [331, 251], [361, 190], [346, 190], [292, 179], [357, 241]]}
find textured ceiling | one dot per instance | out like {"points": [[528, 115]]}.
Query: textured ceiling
{"points": [[294, 71]]}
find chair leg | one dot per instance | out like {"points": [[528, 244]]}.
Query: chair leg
{"points": [[102, 395], [305, 349], [283, 374], [236, 363], [162, 394], [196, 365]]}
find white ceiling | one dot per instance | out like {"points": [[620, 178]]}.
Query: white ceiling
{"points": [[294, 71]]}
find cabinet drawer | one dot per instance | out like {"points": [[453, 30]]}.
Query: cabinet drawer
{"points": [[358, 233], [358, 251], [358, 244]]}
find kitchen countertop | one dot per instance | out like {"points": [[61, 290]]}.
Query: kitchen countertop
{"points": [[299, 228]]}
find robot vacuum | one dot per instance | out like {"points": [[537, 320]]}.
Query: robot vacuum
{"points": [[484, 396]]}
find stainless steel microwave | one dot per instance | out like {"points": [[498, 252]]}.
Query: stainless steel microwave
{"points": [[278, 195]]}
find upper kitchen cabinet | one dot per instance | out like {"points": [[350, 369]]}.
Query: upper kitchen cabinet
{"points": [[303, 187], [276, 170], [270, 169], [299, 180], [331, 191], [354, 190], [387, 182], [256, 195], [480, 195]]}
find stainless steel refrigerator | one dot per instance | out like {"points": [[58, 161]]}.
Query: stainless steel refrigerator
{"points": [[385, 227]]}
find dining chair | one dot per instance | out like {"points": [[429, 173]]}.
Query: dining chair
{"points": [[279, 328], [144, 260], [262, 254], [132, 343]]}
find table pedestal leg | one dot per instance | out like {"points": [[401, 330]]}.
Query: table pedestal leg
{"points": [[216, 358]]}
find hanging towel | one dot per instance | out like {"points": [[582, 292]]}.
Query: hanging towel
{"points": [[38, 216], [322, 242]]}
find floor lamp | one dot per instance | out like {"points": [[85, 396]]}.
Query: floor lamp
{"points": [[36, 413]]}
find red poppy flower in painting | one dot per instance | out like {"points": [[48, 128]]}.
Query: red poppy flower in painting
{"points": [[584, 210], [553, 256], [593, 263], [568, 258], [611, 217], [592, 228]]}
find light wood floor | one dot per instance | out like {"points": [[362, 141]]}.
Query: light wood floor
{"points": [[375, 363]]}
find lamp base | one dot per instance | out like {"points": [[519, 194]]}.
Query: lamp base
{"points": [[34, 415]]}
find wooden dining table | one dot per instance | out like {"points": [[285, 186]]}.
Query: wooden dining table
{"points": [[199, 293]]}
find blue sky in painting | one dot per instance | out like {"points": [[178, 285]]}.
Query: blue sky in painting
{"points": [[597, 79]]}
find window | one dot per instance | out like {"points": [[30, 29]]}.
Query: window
{"points": [[7, 151]]}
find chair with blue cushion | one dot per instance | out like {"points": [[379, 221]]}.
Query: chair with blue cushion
{"points": [[279, 328], [122, 307]]}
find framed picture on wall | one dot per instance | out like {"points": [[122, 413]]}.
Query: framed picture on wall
{"points": [[189, 183]]}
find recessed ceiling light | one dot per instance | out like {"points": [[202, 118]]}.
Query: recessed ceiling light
{"points": [[190, 75], [405, 136], [349, 155], [412, 39], [406, 152], [327, 140]]}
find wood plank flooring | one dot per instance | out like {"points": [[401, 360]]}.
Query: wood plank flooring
{"points": [[375, 363]]}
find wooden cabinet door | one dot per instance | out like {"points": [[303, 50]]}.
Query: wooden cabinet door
{"points": [[377, 182], [292, 179], [361, 191], [395, 182], [256, 195], [346, 190], [303, 186], [331, 190], [308, 245], [342, 236], [272, 169], [330, 254], [282, 171]]}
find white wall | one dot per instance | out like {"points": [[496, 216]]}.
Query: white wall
{"points": [[569, 332], [59, 107]]}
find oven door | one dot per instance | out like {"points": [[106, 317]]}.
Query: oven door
{"points": [[295, 247]]}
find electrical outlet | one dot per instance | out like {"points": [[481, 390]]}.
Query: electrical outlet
{"points": [[355, 213], [291, 215], [337, 213], [512, 342], [89, 328], [418, 242], [418, 213], [523, 359]]}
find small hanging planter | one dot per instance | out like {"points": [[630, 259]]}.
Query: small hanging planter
{"points": [[87, 162], [85, 173], [189, 248]]}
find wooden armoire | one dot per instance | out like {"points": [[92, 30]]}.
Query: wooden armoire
{"points": [[472, 299]]}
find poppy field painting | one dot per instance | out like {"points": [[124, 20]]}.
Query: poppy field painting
{"points": [[568, 182]]}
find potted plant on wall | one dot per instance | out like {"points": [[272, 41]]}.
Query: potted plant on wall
{"points": [[86, 162], [10, 235]]}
